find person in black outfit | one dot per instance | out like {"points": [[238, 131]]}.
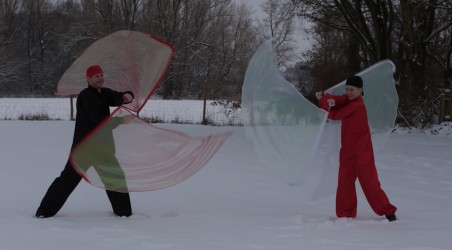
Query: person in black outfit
{"points": [[92, 108]]}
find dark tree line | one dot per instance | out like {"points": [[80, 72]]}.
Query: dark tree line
{"points": [[214, 40], [415, 34]]}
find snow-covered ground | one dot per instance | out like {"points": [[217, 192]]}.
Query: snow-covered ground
{"points": [[233, 203]]}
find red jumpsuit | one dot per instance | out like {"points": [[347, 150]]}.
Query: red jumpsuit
{"points": [[356, 159]]}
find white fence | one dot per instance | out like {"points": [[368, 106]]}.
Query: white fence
{"points": [[181, 111]]}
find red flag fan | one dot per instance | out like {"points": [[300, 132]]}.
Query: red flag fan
{"points": [[131, 61], [136, 156], [125, 153]]}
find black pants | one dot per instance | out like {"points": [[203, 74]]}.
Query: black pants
{"points": [[63, 186]]}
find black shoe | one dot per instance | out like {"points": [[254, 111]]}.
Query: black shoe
{"points": [[39, 215], [391, 217], [43, 214], [125, 213]]}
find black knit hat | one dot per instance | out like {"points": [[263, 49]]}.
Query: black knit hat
{"points": [[355, 81]]}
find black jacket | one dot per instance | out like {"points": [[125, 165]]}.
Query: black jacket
{"points": [[92, 108]]}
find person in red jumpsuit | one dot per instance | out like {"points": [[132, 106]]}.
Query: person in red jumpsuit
{"points": [[356, 159]]}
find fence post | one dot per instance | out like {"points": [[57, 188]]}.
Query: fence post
{"points": [[448, 87], [442, 107], [449, 108], [72, 107]]}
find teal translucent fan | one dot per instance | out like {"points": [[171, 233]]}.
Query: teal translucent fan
{"points": [[292, 136]]}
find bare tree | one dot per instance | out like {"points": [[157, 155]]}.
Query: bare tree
{"points": [[130, 10], [10, 69], [420, 25], [39, 44], [9, 65], [8, 14], [328, 59], [206, 36], [279, 25], [230, 38], [337, 52], [405, 31], [107, 10]]}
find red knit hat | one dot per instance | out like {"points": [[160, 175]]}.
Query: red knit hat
{"points": [[93, 70]]}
